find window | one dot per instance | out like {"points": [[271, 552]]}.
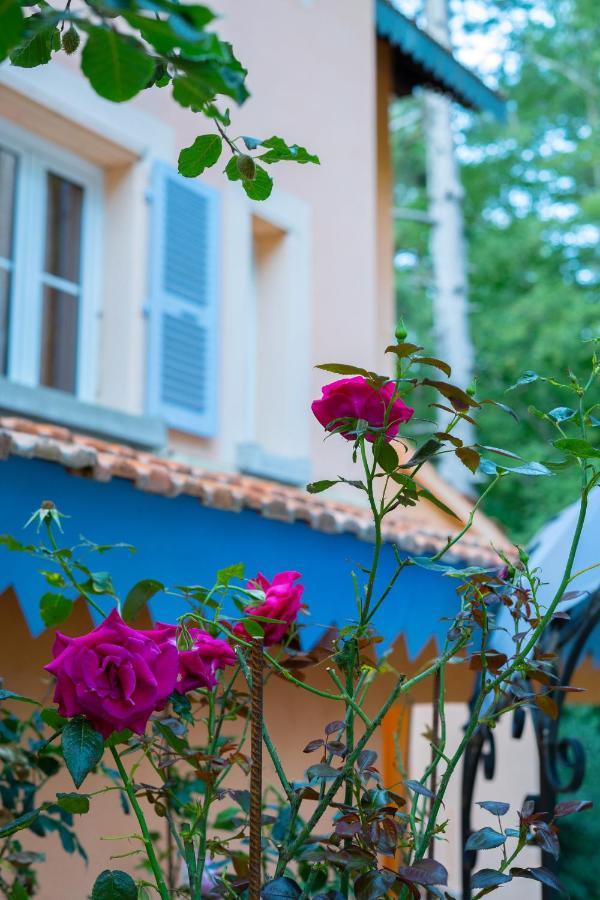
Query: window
{"points": [[50, 246]]}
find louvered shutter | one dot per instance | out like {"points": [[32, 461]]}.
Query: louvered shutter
{"points": [[182, 357]]}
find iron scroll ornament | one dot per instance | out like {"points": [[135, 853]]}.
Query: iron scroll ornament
{"points": [[561, 760]]}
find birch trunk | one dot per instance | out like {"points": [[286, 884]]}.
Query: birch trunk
{"points": [[447, 245]]}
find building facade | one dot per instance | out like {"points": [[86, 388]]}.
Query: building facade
{"points": [[158, 335]]}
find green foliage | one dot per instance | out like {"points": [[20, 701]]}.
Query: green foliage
{"points": [[204, 152], [138, 597], [114, 885], [116, 66], [82, 748], [130, 46], [577, 836], [532, 200], [54, 609]]}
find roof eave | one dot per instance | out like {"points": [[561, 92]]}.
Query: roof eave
{"points": [[431, 64]]}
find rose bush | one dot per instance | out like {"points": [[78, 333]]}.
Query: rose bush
{"points": [[283, 601], [115, 676], [198, 663], [333, 833], [348, 400]]}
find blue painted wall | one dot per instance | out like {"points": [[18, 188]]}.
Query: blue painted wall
{"points": [[181, 542]]}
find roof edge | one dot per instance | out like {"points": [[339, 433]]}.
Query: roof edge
{"points": [[436, 64]]}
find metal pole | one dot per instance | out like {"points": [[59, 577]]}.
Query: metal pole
{"points": [[255, 865]]}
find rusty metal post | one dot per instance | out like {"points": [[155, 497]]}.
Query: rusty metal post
{"points": [[255, 864]]}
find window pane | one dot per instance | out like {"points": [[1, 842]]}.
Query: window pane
{"points": [[63, 228], [58, 365], [8, 173], [4, 319]]}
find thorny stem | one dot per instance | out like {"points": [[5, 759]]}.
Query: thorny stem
{"points": [[154, 864], [81, 591]]}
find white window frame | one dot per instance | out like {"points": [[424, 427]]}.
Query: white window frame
{"points": [[37, 157]]}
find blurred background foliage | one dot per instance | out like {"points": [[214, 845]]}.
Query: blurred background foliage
{"points": [[532, 218], [576, 837]]}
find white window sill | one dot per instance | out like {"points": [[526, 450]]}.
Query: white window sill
{"points": [[49, 405], [253, 460]]}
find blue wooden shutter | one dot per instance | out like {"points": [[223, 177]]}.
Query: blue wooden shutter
{"points": [[182, 357]]}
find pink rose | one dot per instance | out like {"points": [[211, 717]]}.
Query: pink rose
{"points": [[282, 601], [115, 676], [198, 666], [355, 398]]}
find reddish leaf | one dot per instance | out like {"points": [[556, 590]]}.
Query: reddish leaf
{"points": [[402, 350], [568, 807], [424, 871], [468, 457], [334, 727], [460, 400], [547, 838], [436, 363], [541, 874], [547, 705], [494, 661], [314, 745]]}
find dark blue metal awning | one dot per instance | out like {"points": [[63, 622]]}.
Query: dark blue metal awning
{"points": [[422, 61]]}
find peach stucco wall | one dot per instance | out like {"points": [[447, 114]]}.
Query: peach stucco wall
{"points": [[312, 73], [293, 718]]}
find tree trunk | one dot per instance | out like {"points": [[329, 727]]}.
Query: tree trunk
{"points": [[447, 246]]}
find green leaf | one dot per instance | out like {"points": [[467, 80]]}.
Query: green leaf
{"points": [[52, 718], [8, 541], [260, 187], [114, 885], [138, 597], [13, 25], [82, 748], [117, 67], [343, 369], [316, 487], [73, 803], [526, 378], [19, 823], [577, 447], [10, 695], [487, 878], [191, 92], [424, 452], [386, 457], [485, 839], [55, 609], [253, 628], [562, 413], [281, 889], [41, 39], [278, 150], [201, 155], [224, 576]]}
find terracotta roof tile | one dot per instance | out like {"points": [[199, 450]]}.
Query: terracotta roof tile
{"points": [[417, 530]]}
